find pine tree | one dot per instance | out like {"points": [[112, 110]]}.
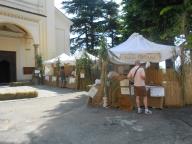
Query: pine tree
{"points": [[90, 22]]}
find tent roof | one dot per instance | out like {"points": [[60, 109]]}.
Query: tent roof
{"points": [[79, 53], [136, 47], [64, 59]]}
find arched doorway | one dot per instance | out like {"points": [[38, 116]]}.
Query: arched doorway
{"points": [[4, 72], [7, 67], [16, 53]]}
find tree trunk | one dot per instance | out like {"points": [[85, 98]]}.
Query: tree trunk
{"points": [[182, 75], [87, 37], [184, 31], [103, 79]]}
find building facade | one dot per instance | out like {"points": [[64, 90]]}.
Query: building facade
{"points": [[27, 28]]}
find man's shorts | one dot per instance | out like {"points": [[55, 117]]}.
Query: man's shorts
{"points": [[140, 91]]}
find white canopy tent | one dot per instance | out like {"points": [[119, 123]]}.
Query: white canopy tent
{"points": [[79, 53], [136, 47], [64, 59]]}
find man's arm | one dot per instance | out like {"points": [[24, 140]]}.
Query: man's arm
{"points": [[143, 74], [129, 74]]}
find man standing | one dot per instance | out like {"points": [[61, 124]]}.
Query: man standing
{"points": [[63, 78], [138, 74]]}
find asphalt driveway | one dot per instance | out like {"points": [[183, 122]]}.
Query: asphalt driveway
{"points": [[61, 116]]}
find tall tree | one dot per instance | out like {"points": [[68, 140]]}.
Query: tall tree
{"points": [[140, 16], [157, 20], [160, 21], [85, 15], [111, 22], [179, 12], [90, 22]]}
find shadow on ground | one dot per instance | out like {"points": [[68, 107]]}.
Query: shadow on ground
{"points": [[72, 122], [61, 118], [55, 90]]}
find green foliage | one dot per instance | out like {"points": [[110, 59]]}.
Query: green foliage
{"points": [[39, 65], [84, 65], [189, 41], [103, 52], [111, 26], [23, 83], [159, 21], [140, 16], [165, 10], [39, 61], [58, 64]]}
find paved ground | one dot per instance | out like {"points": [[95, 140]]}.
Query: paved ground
{"points": [[60, 116]]}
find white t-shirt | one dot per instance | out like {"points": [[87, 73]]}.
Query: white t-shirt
{"points": [[138, 80]]}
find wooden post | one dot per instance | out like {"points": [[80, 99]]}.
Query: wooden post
{"points": [[104, 79], [184, 31]]}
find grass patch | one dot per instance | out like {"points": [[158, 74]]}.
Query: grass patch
{"points": [[17, 93], [23, 83]]}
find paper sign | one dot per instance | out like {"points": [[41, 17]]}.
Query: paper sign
{"points": [[37, 71], [47, 78], [71, 80], [157, 92], [92, 92], [150, 57], [124, 82], [82, 75], [125, 91], [54, 78]]}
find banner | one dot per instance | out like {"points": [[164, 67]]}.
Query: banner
{"points": [[147, 57]]}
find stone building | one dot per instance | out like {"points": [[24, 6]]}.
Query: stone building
{"points": [[27, 28]]}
